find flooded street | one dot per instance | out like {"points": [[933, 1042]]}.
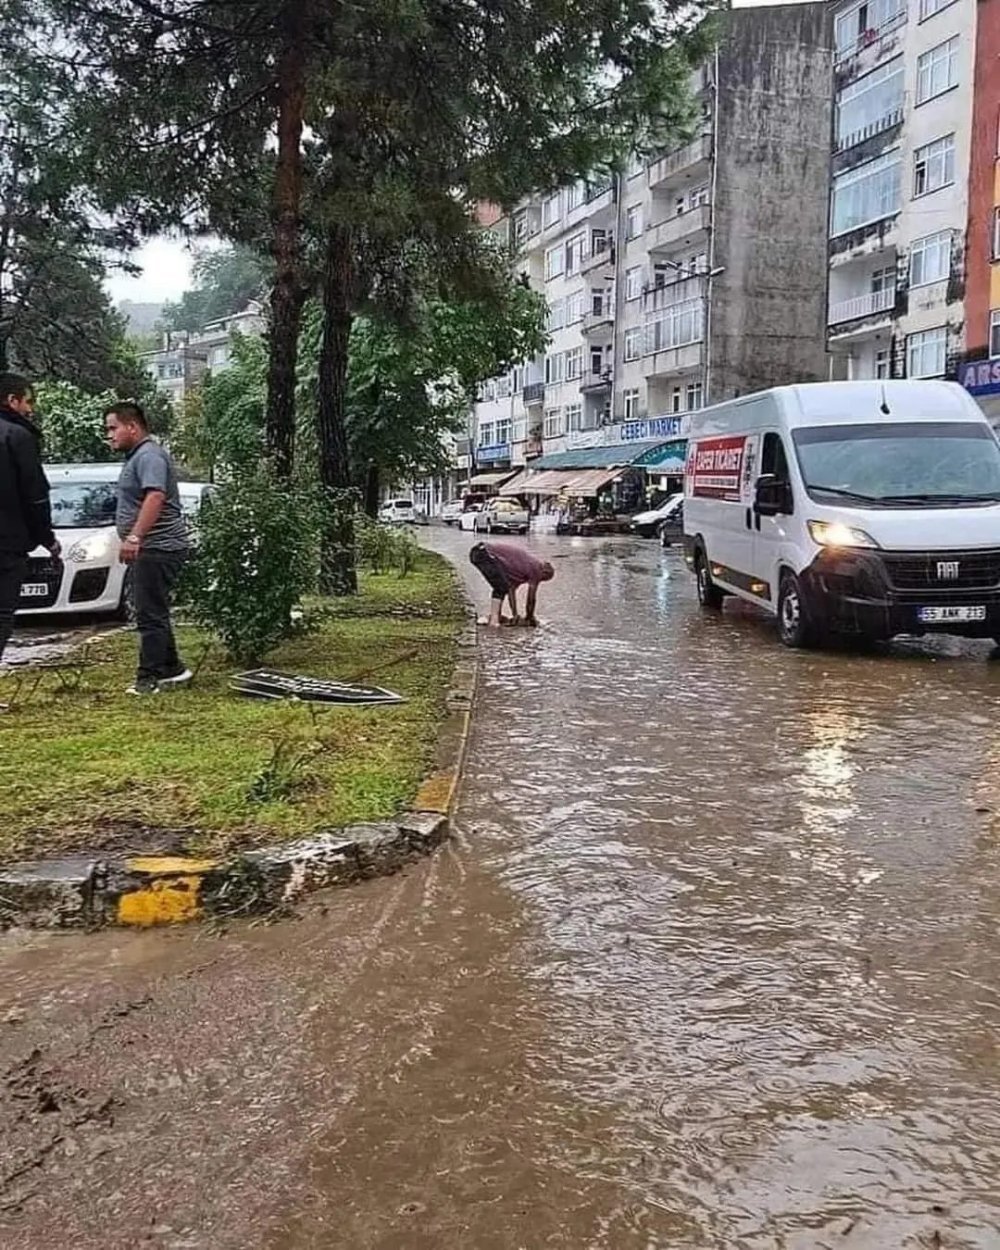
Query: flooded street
{"points": [[712, 964]]}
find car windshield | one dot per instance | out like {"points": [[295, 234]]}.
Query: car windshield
{"points": [[82, 505], [901, 464]]}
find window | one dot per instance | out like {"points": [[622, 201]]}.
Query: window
{"points": [[631, 398], [575, 305], [600, 302], [555, 263], [550, 210], [633, 282], [553, 426], [995, 333], [574, 417], [633, 344], [575, 253], [863, 21], [502, 435], [555, 365], [929, 7], [934, 166], [937, 70], [698, 196], [486, 434], [557, 314], [599, 242], [996, 234], [574, 363], [925, 353], [930, 258], [635, 165], [693, 396], [866, 194], [503, 389], [675, 400], [596, 361], [519, 227], [633, 221], [883, 279], [774, 459], [882, 363], [676, 326], [575, 195], [870, 103]]}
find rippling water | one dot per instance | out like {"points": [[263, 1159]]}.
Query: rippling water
{"points": [[764, 890]]}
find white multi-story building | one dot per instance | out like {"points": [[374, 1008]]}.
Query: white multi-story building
{"points": [[185, 357], [904, 81], [688, 278]]}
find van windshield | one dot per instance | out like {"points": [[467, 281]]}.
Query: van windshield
{"points": [[901, 464]]}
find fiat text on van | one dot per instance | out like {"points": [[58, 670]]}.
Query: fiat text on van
{"points": [[860, 508]]}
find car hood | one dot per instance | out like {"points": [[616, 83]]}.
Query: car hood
{"points": [[916, 529], [647, 518], [67, 537]]}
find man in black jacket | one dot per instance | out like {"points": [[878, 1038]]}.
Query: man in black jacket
{"points": [[25, 514]]}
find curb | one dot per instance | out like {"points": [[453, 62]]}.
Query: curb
{"points": [[87, 892]]}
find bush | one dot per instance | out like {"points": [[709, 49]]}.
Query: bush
{"points": [[382, 548], [256, 558]]}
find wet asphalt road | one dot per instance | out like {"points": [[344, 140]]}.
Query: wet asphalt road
{"points": [[712, 963]]}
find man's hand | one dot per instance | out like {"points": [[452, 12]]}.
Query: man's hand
{"points": [[55, 551], [129, 549]]}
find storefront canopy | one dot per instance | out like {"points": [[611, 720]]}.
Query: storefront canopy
{"points": [[489, 479], [578, 483], [667, 459]]}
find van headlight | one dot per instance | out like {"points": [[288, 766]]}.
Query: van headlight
{"points": [[837, 534], [93, 547]]}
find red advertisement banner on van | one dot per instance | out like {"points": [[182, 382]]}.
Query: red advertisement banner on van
{"points": [[715, 467]]}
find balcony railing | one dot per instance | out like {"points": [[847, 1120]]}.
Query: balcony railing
{"points": [[868, 38], [676, 290], [602, 253], [598, 319], [596, 380], [867, 305], [671, 360], [534, 393], [886, 122], [667, 234], [671, 163]]}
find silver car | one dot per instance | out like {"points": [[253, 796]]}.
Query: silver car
{"points": [[502, 516]]}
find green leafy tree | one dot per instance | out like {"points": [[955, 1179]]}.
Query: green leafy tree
{"points": [[72, 423], [225, 281]]}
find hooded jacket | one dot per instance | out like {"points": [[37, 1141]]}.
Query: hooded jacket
{"points": [[25, 512]]}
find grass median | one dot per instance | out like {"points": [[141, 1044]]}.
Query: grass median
{"points": [[89, 767]]}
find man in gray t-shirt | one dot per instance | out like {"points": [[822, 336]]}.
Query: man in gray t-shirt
{"points": [[154, 543]]}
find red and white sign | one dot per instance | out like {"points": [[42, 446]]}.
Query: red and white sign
{"points": [[715, 467]]}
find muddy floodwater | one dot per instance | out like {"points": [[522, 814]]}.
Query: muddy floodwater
{"points": [[712, 964]]}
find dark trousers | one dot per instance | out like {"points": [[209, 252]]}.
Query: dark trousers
{"points": [[12, 570], [490, 567], [154, 574]]}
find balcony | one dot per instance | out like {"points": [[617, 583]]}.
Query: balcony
{"points": [[596, 382], [533, 393], [889, 121], [879, 37], [672, 360], [861, 306], [602, 256], [671, 292], [493, 454], [676, 230], [599, 321], [681, 161]]}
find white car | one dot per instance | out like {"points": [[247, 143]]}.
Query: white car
{"points": [[467, 521], [88, 576], [398, 512], [452, 511], [506, 516], [648, 524]]}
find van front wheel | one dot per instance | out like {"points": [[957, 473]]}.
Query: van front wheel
{"points": [[794, 627], [709, 595]]}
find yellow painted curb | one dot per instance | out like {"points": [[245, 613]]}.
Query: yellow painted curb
{"points": [[436, 793], [167, 900], [170, 865]]}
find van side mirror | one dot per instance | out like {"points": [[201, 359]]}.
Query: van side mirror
{"points": [[771, 496]]}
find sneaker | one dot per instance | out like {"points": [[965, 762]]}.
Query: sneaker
{"points": [[178, 679], [144, 686]]}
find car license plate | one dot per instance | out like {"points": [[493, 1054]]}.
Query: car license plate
{"points": [[34, 590], [951, 615]]}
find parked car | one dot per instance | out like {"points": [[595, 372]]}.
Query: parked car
{"points": [[398, 512], [648, 524], [452, 511], [672, 527], [467, 521], [88, 576], [502, 516]]}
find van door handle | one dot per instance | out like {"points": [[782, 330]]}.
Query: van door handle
{"points": [[757, 519], [749, 521]]}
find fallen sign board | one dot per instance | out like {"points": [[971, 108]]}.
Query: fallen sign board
{"points": [[262, 683]]}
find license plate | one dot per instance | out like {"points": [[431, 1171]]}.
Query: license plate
{"points": [[951, 615], [34, 590]]}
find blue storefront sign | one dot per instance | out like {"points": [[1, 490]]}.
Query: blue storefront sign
{"points": [[981, 377], [653, 427], [488, 455]]}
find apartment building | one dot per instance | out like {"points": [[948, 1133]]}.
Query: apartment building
{"points": [[904, 80], [685, 279], [185, 357]]}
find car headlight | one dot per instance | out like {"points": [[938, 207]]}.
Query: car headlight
{"points": [[94, 547], [837, 534]]}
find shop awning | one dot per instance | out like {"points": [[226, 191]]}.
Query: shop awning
{"points": [[577, 483], [668, 458], [489, 479]]}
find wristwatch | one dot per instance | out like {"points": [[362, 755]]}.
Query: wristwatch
{"points": [[134, 538]]}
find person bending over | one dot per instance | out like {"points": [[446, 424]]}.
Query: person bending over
{"points": [[506, 568]]}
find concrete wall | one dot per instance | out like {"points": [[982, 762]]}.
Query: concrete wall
{"points": [[774, 116]]}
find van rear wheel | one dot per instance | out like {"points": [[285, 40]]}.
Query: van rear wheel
{"points": [[794, 627], [709, 595]]}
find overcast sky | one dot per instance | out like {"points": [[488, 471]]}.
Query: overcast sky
{"points": [[166, 263]]}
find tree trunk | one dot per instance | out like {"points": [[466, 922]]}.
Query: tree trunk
{"points": [[373, 488], [288, 295], [338, 575]]}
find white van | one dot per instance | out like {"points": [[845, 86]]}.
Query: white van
{"points": [[861, 508]]}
